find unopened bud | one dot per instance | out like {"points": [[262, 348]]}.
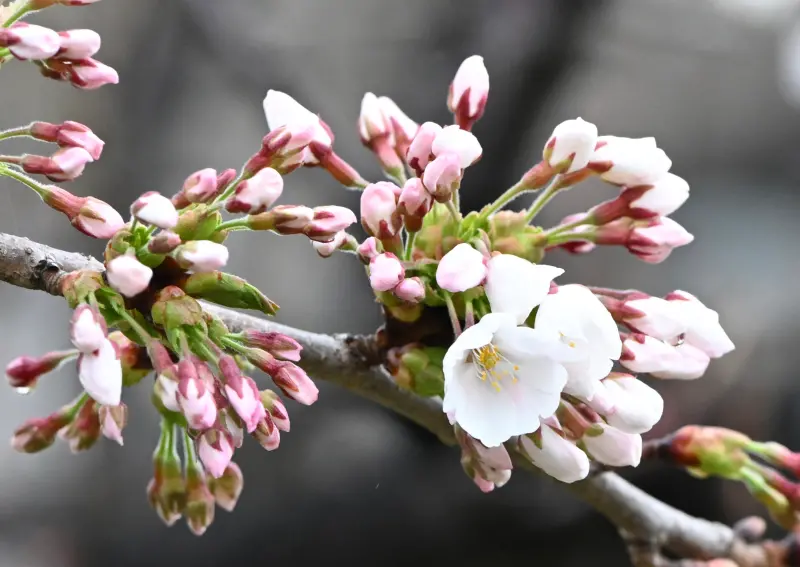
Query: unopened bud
{"points": [[128, 276], [379, 214], [91, 216], [283, 219], [275, 408], [327, 221], [403, 128], [69, 134], [164, 242], [462, 268], [257, 194], [369, 249], [201, 256], [628, 161], [611, 446], [228, 487], [215, 449], [113, 420], [267, 434], [37, 434], [420, 151], [570, 145], [341, 241], [228, 290], [30, 42], [155, 209], [410, 289], [555, 455], [469, 92], [66, 164], [24, 371], [454, 140], [414, 203], [442, 177], [78, 44], [84, 431], [199, 510], [385, 272], [200, 186]]}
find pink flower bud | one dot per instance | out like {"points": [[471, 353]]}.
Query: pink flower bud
{"points": [[415, 201], [128, 275], [267, 434], [90, 74], [613, 447], [654, 241], [30, 42], [295, 383], [631, 405], [100, 374], [202, 256], [555, 455], [84, 431], [231, 423], [78, 44], [87, 329], [65, 164], [703, 330], [410, 289], [276, 344], [166, 389], [257, 194], [91, 216], [276, 410], [453, 139], [195, 399], [385, 272], [403, 127], [341, 240], [371, 121], [69, 134], [24, 371], [285, 219], [442, 177], [228, 487], [421, 148], [644, 354], [200, 186], [368, 249], [461, 269], [164, 242], [112, 421], [215, 450], [469, 92], [661, 198], [155, 209], [327, 221], [652, 316], [301, 125], [379, 210], [570, 145], [37, 434], [629, 161], [245, 399]]}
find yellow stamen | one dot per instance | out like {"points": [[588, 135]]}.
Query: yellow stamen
{"points": [[486, 358]]}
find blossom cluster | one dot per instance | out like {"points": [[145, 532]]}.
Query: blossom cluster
{"points": [[546, 367], [473, 314]]}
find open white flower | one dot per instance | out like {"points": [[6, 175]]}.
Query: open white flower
{"points": [[582, 322], [501, 378]]}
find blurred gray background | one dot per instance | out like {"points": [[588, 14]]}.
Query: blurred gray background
{"points": [[715, 82]]}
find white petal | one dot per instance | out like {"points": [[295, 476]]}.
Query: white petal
{"points": [[461, 269], [638, 407], [101, 375], [691, 363], [520, 343], [460, 142], [283, 110], [476, 336], [558, 457], [662, 319], [515, 285], [584, 376], [614, 447], [492, 415]]}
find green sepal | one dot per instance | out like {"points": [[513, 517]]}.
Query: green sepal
{"points": [[229, 291]]}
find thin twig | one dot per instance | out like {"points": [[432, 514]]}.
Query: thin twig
{"points": [[352, 362]]}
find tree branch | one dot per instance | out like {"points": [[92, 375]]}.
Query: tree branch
{"points": [[649, 525]]}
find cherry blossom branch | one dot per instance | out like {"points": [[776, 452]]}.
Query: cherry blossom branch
{"points": [[649, 526]]}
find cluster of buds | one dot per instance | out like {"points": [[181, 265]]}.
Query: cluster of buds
{"points": [[64, 56], [761, 467], [142, 315], [529, 362]]}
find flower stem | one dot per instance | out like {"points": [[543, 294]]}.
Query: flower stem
{"points": [[451, 310], [469, 315], [18, 132], [543, 198], [24, 179], [77, 405], [235, 224], [509, 195], [189, 452], [19, 13], [453, 210], [569, 226], [410, 237], [564, 237]]}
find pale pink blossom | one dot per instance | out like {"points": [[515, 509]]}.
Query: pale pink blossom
{"points": [[300, 124], [257, 194], [245, 399], [461, 269], [379, 214], [385, 272], [442, 176], [629, 161], [555, 455], [453, 139], [128, 275], [195, 399], [100, 374], [613, 447], [571, 145], [327, 221], [30, 42], [215, 450], [155, 209], [410, 289], [87, 329], [372, 123], [202, 256], [200, 186], [112, 421], [703, 330], [78, 44], [421, 149], [91, 74], [469, 91]]}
